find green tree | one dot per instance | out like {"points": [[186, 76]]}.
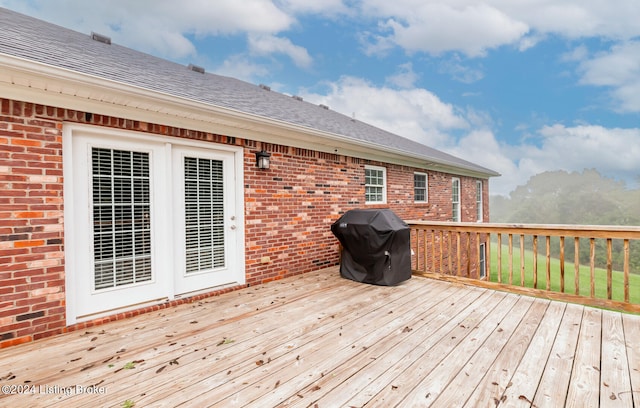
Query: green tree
{"points": [[581, 198]]}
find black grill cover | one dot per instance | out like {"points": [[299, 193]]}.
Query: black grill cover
{"points": [[376, 246]]}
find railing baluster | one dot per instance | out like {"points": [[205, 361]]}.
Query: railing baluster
{"points": [[592, 265], [609, 270], [416, 249], [425, 254], [459, 255], [626, 270], [576, 264], [562, 264], [433, 251], [499, 257], [548, 275], [510, 259], [441, 248], [521, 259], [468, 256], [478, 254], [487, 257], [449, 254], [535, 262]]}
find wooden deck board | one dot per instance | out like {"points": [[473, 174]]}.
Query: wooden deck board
{"points": [[554, 384], [615, 380], [498, 377], [632, 334], [521, 390], [584, 390], [320, 340]]}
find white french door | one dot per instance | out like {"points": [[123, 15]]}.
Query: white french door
{"points": [[206, 222], [147, 220]]}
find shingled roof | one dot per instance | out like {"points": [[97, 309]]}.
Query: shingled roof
{"points": [[37, 41]]}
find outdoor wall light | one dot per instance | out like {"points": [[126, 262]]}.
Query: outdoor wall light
{"points": [[263, 160]]}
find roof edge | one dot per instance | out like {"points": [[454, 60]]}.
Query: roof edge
{"points": [[46, 84]]}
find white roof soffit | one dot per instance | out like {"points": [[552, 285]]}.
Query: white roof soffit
{"points": [[35, 82]]}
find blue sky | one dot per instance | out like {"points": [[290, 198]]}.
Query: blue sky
{"points": [[519, 86]]}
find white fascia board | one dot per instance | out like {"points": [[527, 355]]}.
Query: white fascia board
{"points": [[39, 83]]}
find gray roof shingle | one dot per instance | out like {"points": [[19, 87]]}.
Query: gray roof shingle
{"points": [[36, 40]]}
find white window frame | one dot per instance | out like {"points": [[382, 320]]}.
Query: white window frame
{"points": [[384, 184], [479, 198], [455, 201], [426, 187]]}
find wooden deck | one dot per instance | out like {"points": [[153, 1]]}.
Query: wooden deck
{"points": [[320, 340]]}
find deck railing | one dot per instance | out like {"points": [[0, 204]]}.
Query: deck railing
{"points": [[595, 265]]}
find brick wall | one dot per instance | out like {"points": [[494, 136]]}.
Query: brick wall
{"points": [[31, 233], [288, 211]]}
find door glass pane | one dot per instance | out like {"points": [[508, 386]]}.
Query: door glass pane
{"points": [[121, 217], [204, 214]]}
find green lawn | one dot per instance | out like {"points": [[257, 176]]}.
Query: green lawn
{"points": [[584, 278]]}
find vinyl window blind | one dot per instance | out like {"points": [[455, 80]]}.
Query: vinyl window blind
{"points": [[121, 209], [204, 214]]}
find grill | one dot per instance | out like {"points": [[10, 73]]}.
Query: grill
{"points": [[376, 246]]}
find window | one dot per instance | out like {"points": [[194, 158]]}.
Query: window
{"points": [[204, 214], [420, 192], [455, 199], [121, 208], [479, 201], [375, 182]]}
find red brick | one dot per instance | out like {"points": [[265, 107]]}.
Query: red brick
{"points": [[310, 187], [25, 142]]}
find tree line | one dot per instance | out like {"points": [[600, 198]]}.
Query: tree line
{"points": [[581, 198]]}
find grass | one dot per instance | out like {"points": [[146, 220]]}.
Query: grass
{"points": [[584, 275]]}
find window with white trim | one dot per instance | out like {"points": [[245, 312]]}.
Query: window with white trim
{"points": [[479, 200], [420, 189], [375, 184], [455, 199]]}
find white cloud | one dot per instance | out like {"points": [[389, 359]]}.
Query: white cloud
{"points": [[613, 152], [460, 72], [618, 69], [473, 28], [530, 41], [578, 54], [413, 113], [437, 27], [577, 18], [324, 7], [405, 78], [269, 44]]}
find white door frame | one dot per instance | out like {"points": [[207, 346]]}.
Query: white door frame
{"points": [[77, 217]]}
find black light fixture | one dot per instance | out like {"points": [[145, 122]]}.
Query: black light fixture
{"points": [[262, 160]]}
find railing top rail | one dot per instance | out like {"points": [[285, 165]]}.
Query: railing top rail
{"points": [[585, 231]]}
